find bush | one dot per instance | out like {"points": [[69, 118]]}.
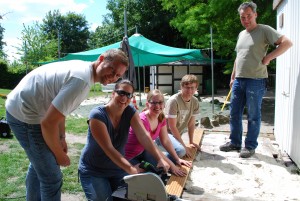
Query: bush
{"points": [[11, 75]]}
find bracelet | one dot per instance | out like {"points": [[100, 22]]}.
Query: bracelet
{"points": [[62, 137]]}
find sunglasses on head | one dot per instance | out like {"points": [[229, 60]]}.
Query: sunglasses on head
{"points": [[124, 93]]}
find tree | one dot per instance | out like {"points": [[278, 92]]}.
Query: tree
{"points": [[71, 30], [2, 54], [194, 18], [103, 36], [36, 47], [145, 15]]}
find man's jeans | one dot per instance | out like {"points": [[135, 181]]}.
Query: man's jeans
{"points": [[249, 93], [44, 178]]}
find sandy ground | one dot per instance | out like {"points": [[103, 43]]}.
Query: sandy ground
{"points": [[218, 175]]}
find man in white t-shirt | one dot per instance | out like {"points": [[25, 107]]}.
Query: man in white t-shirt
{"points": [[36, 110]]}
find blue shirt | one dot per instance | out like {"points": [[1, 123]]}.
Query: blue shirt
{"points": [[93, 159]]}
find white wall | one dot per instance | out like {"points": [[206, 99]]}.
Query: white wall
{"points": [[166, 76], [287, 99]]}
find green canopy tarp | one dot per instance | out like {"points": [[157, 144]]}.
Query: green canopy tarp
{"points": [[144, 51]]}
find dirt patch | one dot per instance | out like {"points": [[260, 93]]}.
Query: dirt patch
{"points": [[4, 148]]}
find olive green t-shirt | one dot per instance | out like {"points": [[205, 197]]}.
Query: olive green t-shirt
{"points": [[251, 47]]}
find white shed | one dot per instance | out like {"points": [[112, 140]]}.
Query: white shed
{"points": [[287, 98]]}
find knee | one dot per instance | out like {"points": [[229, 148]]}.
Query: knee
{"points": [[180, 152]]}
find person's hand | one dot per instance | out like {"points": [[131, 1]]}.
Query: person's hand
{"points": [[184, 162], [188, 152], [63, 160], [178, 171], [231, 83], [138, 169], [162, 163], [265, 61], [194, 145]]}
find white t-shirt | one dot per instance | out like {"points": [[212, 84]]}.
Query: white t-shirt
{"points": [[64, 84]]}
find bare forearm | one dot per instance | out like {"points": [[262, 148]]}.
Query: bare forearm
{"points": [[191, 129], [284, 45], [282, 48], [120, 161], [177, 135], [52, 138]]}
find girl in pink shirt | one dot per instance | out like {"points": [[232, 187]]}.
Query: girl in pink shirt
{"points": [[154, 121]]}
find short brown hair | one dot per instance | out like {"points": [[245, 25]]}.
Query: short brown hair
{"points": [[124, 81], [116, 55], [189, 79]]}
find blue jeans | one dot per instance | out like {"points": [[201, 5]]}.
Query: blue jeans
{"points": [[179, 149], [44, 178], [97, 188], [249, 93], [144, 156]]}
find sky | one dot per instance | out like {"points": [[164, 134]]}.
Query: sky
{"points": [[25, 12]]}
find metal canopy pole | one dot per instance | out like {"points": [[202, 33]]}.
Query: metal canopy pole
{"points": [[212, 69], [125, 21], [140, 104]]}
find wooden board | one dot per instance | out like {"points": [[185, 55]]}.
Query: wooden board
{"points": [[176, 184]]}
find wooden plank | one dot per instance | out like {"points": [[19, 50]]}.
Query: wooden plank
{"points": [[176, 184]]}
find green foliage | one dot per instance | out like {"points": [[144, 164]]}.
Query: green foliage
{"points": [[195, 17], [146, 15], [15, 72], [36, 47], [3, 94], [71, 30], [2, 43], [5, 78]]}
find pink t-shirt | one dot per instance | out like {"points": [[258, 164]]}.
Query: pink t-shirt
{"points": [[133, 146]]}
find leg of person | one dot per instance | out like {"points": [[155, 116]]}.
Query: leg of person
{"points": [[20, 131], [255, 91], [95, 188], [180, 150], [144, 156], [149, 158], [32, 185], [237, 104], [117, 180], [44, 178], [44, 164]]}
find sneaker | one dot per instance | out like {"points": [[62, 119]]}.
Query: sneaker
{"points": [[229, 147], [246, 153]]}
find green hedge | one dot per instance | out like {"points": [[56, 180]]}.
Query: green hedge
{"points": [[11, 76]]}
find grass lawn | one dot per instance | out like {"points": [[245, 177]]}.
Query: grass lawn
{"points": [[14, 162]]}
